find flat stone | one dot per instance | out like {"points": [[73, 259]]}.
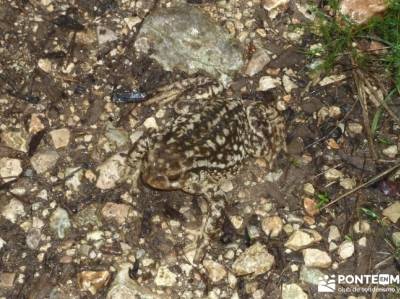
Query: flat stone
{"points": [[44, 160], [392, 212], [299, 240], [268, 82], [13, 210], [7, 280], [165, 277], [254, 260], [60, 137], [360, 11], [215, 271], [116, 212], [10, 169], [293, 291], [184, 37], [316, 258], [272, 226], [17, 140], [111, 172]]}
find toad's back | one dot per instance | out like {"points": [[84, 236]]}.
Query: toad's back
{"points": [[213, 139]]}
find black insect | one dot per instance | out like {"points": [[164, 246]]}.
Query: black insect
{"points": [[128, 96]]}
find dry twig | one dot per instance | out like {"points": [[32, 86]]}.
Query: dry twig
{"points": [[369, 182]]}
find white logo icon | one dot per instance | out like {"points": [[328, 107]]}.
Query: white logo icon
{"points": [[384, 279], [327, 284]]}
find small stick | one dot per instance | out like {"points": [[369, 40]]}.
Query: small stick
{"points": [[363, 102], [371, 181]]}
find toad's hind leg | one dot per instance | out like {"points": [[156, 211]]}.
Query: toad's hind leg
{"points": [[212, 213]]}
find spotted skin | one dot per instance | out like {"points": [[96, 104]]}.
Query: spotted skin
{"points": [[208, 140]]}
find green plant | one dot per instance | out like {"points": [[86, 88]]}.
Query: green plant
{"points": [[338, 36], [322, 199]]}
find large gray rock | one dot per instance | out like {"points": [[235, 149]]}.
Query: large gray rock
{"points": [[185, 38]]}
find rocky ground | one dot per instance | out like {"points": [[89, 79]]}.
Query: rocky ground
{"points": [[72, 76]]}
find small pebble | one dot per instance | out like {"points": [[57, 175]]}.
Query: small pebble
{"points": [[316, 258]]}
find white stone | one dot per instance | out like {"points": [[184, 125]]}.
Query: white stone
{"points": [[216, 271], [254, 260], [44, 160], [316, 258], [60, 137], [111, 172], [391, 151], [299, 240], [2, 243], [332, 79], [226, 186], [333, 174], [45, 65], [272, 226], [392, 212], [346, 249], [355, 128], [272, 4], [13, 210], [10, 169], [334, 233], [288, 84], [267, 83], [362, 227], [150, 123], [293, 291], [165, 277], [395, 239], [309, 189], [257, 62], [362, 242], [334, 111], [132, 21], [347, 183]]}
